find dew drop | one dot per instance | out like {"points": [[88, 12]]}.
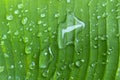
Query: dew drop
{"points": [[63, 67], [45, 73], [16, 33], [77, 63], [39, 34], [42, 15], [25, 39], [27, 49], [24, 20], [9, 17], [12, 66], [1, 69], [32, 65], [20, 6], [4, 37], [57, 15], [16, 12], [68, 1], [45, 57], [39, 22]]}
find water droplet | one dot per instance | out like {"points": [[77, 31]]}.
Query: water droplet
{"points": [[42, 15], [45, 57], [44, 24], [24, 20], [1, 69], [39, 34], [9, 77], [16, 33], [45, 73], [82, 60], [27, 49], [16, 12], [20, 6], [12, 66], [6, 55], [57, 15], [45, 31], [68, 1], [71, 65], [25, 39], [63, 67], [32, 65], [98, 17], [49, 28], [77, 63], [9, 17], [39, 22], [72, 77], [66, 30], [4, 37]]}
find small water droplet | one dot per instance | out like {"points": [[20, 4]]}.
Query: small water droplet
{"points": [[57, 15], [6, 55], [39, 34], [16, 12], [45, 57], [45, 73], [68, 1], [82, 60], [20, 6], [32, 65], [9, 77], [9, 17], [1, 69], [2, 43], [24, 20], [71, 65], [77, 63], [27, 49], [25, 39], [12, 66], [63, 67], [42, 15], [39, 22], [49, 28], [4, 37], [16, 33], [44, 24]]}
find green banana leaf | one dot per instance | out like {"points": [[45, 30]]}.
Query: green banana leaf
{"points": [[59, 39]]}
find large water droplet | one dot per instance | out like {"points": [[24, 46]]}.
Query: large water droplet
{"points": [[68, 31]]}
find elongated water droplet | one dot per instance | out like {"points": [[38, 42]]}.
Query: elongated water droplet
{"points": [[45, 57], [68, 31], [24, 20], [1, 69]]}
